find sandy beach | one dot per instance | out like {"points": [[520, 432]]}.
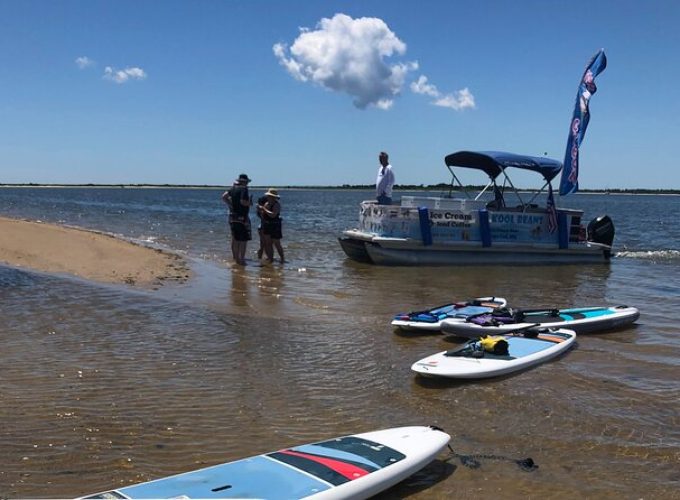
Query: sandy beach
{"points": [[87, 254]]}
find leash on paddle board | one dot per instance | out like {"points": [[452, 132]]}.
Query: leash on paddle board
{"points": [[474, 461]]}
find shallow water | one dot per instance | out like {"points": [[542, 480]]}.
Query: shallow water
{"points": [[103, 386]]}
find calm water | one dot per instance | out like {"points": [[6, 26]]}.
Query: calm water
{"points": [[103, 386]]}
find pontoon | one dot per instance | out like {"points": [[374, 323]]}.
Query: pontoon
{"points": [[498, 225]]}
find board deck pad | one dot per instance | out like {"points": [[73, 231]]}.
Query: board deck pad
{"points": [[339, 460]]}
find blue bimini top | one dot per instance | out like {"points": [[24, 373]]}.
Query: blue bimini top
{"points": [[494, 162]]}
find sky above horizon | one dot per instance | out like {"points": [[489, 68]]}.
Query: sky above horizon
{"points": [[308, 92]]}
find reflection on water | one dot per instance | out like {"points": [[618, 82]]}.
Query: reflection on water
{"points": [[112, 386], [239, 288]]}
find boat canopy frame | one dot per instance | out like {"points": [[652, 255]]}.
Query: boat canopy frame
{"points": [[494, 164]]}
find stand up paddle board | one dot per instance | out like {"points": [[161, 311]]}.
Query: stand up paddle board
{"points": [[472, 360], [357, 466], [430, 320], [580, 320]]}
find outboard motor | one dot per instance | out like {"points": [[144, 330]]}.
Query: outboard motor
{"points": [[601, 230]]}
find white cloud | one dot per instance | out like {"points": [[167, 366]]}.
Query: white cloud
{"points": [[348, 55], [422, 87], [459, 100], [123, 75], [84, 62]]}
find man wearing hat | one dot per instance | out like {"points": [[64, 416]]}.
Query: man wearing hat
{"points": [[272, 224], [239, 201]]}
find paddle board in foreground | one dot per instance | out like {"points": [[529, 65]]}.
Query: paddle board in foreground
{"points": [[472, 360], [357, 466], [430, 319], [580, 320]]}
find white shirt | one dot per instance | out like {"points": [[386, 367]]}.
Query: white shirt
{"points": [[385, 181]]}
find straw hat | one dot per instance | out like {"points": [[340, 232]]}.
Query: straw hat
{"points": [[272, 192]]}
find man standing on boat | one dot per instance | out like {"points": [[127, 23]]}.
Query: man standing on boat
{"points": [[385, 180]]}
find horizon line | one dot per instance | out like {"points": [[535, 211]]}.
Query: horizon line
{"points": [[368, 187]]}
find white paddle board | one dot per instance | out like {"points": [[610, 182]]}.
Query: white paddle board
{"points": [[430, 320], [580, 320], [523, 352], [356, 466]]}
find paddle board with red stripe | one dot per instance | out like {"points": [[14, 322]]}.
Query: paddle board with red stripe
{"points": [[356, 466]]}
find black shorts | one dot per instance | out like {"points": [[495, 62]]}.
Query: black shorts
{"points": [[272, 229], [240, 231]]}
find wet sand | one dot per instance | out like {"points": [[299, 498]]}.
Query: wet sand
{"points": [[87, 254]]}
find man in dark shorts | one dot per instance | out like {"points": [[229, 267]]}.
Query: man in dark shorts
{"points": [[239, 201]]}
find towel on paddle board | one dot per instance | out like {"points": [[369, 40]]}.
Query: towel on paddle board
{"points": [[430, 319]]}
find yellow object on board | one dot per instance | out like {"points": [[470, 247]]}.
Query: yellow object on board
{"points": [[495, 344]]}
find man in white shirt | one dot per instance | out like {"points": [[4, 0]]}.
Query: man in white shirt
{"points": [[385, 180]]}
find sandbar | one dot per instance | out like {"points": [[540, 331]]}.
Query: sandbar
{"points": [[87, 254]]}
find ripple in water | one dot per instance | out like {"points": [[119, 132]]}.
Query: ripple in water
{"points": [[653, 255]]}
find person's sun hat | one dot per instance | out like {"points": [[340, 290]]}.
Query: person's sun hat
{"points": [[243, 178], [272, 192]]}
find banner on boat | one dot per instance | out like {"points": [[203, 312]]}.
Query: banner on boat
{"points": [[579, 123], [453, 226]]}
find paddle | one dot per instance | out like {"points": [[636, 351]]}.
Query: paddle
{"points": [[522, 329], [484, 331], [430, 311]]}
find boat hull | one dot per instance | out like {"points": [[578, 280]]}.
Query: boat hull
{"points": [[355, 249], [404, 252]]}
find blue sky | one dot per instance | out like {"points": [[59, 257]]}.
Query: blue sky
{"points": [[308, 92]]}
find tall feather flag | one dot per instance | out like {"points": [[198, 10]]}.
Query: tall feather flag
{"points": [[552, 211], [579, 123]]}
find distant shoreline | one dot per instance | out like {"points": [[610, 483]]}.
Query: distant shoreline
{"points": [[345, 187]]}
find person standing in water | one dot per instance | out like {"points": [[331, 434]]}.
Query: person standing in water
{"points": [[385, 180], [260, 203], [239, 201], [272, 225]]}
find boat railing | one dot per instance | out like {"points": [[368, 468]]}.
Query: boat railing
{"points": [[440, 203]]}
